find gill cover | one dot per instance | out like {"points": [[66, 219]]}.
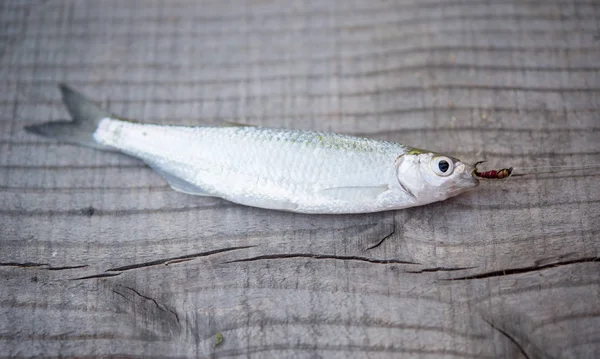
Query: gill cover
{"points": [[431, 177]]}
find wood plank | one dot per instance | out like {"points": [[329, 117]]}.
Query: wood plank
{"points": [[98, 257]]}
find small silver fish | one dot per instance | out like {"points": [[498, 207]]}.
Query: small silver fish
{"points": [[289, 170]]}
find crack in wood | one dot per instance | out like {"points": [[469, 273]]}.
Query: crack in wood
{"points": [[102, 275], [439, 269], [67, 267], [320, 256], [387, 236], [158, 305], [120, 294], [513, 340], [505, 272], [167, 261], [23, 265], [173, 260], [553, 259], [44, 266]]}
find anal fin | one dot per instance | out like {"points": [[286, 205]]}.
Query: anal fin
{"points": [[180, 185]]}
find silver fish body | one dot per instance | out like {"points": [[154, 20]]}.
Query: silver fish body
{"points": [[291, 170]]}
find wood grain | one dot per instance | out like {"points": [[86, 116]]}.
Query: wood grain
{"points": [[99, 258]]}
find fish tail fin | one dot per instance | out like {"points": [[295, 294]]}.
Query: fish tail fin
{"points": [[86, 117]]}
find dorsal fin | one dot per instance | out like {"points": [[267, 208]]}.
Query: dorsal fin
{"points": [[236, 124]]}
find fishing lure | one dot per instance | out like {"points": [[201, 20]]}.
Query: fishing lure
{"points": [[290, 170], [503, 173]]}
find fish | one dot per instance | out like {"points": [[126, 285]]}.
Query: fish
{"points": [[280, 169]]}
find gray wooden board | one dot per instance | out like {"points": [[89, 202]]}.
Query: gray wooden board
{"points": [[98, 257]]}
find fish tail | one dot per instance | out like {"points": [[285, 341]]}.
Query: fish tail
{"points": [[86, 117]]}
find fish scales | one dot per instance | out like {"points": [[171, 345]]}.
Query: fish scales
{"points": [[285, 162], [290, 170]]}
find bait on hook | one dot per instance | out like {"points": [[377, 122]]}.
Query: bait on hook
{"points": [[528, 171], [503, 173]]}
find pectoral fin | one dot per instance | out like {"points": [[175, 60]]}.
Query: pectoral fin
{"points": [[361, 193]]}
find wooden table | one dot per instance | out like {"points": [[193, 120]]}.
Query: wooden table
{"points": [[99, 257]]}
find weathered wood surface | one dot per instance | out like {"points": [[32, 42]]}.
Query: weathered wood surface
{"points": [[98, 257]]}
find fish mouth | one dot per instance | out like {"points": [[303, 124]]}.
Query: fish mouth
{"points": [[468, 178], [466, 183], [471, 181]]}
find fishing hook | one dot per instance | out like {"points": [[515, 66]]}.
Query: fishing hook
{"points": [[503, 173]]}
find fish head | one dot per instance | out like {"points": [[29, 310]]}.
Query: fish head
{"points": [[432, 177]]}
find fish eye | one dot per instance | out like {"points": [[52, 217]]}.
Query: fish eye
{"points": [[442, 166]]}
